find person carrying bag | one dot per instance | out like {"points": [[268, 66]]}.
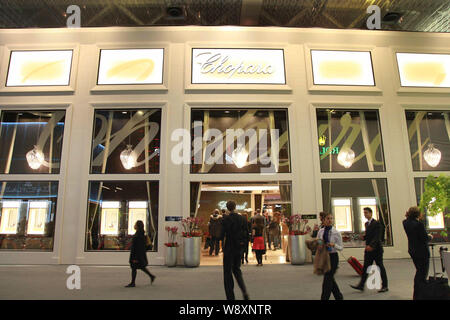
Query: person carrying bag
{"points": [[322, 259]]}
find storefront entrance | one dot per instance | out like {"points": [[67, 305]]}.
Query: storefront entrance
{"points": [[272, 199]]}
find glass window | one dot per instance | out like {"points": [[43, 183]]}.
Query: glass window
{"points": [[424, 70], [438, 223], [240, 141], [28, 212], [113, 209], [349, 140], [346, 198], [351, 68], [31, 141], [126, 141], [39, 68], [429, 140]]}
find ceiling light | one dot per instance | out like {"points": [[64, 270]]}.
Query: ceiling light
{"points": [[239, 156], [128, 157], [346, 157], [35, 158], [432, 156]]}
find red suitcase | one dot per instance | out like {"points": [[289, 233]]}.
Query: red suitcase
{"points": [[355, 264]]}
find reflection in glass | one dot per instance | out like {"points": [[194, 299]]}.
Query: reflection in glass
{"points": [[126, 141], [28, 212], [240, 141], [346, 198], [349, 140], [438, 223], [429, 140], [31, 141], [113, 209]]}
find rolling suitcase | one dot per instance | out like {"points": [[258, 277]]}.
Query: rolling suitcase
{"points": [[436, 288], [356, 265]]}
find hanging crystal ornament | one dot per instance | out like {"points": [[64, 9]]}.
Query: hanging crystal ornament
{"points": [[432, 156], [128, 157], [346, 157], [35, 158], [239, 156]]}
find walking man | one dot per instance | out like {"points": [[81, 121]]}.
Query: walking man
{"points": [[233, 232], [373, 251]]}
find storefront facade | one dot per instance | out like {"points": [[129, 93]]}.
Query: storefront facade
{"points": [[337, 96]]}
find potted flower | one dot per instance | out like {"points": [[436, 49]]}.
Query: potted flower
{"points": [[298, 229], [171, 253], [192, 239]]}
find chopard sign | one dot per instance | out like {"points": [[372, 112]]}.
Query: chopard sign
{"points": [[261, 66]]}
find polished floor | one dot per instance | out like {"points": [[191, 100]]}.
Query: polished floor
{"points": [[272, 281]]}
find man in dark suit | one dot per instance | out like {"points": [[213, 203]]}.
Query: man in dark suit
{"points": [[417, 247], [373, 251], [233, 232]]}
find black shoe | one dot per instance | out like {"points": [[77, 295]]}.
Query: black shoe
{"points": [[152, 279], [358, 287], [340, 297], [130, 285], [246, 297], [384, 289], [246, 260]]}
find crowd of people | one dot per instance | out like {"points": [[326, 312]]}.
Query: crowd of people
{"points": [[235, 231]]}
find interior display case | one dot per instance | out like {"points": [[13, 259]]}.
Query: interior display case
{"points": [[37, 217], [110, 218], [342, 211], [10, 217], [137, 210]]}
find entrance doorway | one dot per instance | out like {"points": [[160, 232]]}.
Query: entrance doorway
{"points": [[272, 199]]}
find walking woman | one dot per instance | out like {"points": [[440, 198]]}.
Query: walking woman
{"points": [[138, 254], [259, 246], [333, 241]]}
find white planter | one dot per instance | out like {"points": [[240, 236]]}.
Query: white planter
{"points": [[171, 256], [298, 249], [192, 251]]}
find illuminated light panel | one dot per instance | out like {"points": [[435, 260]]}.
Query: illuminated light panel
{"points": [[239, 188], [37, 217], [424, 70], [138, 211], [436, 222], [39, 68], [10, 217], [352, 68], [342, 211], [131, 66], [238, 66]]}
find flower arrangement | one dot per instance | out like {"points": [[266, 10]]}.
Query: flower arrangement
{"points": [[297, 225], [171, 236], [191, 227]]}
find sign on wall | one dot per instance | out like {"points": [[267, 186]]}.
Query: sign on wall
{"points": [[131, 66], [238, 66], [39, 68], [424, 70], [350, 68]]}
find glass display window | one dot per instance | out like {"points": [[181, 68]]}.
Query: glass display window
{"points": [[240, 141], [424, 69], [10, 217], [126, 141], [337, 67], [113, 209], [367, 203], [31, 141], [28, 213], [436, 224], [429, 139], [130, 66], [349, 140], [137, 210], [37, 217], [342, 212], [39, 68], [346, 198]]}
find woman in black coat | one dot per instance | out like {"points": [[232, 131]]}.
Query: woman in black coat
{"points": [[138, 254]]}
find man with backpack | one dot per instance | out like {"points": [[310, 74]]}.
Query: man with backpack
{"points": [[373, 251], [234, 230]]}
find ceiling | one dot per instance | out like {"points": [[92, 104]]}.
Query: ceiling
{"points": [[415, 15]]}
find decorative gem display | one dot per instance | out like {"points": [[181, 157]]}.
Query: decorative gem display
{"points": [[432, 156], [35, 158], [128, 157], [346, 157]]}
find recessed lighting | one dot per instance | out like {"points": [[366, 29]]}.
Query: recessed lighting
{"points": [[124, 112], [227, 111]]}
